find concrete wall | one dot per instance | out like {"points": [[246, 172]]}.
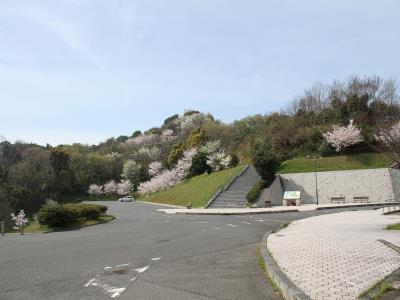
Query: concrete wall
{"points": [[273, 193], [377, 184], [395, 177]]}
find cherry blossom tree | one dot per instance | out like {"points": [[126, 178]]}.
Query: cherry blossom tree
{"points": [[124, 187], [95, 189], [169, 178], [110, 188], [218, 160], [389, 140], [20, 221], [341, 137], [155, 168]]}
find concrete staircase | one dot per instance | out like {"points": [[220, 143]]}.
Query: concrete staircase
{"points": [[234, 195]]}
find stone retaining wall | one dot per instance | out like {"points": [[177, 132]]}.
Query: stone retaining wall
{"points": [[377, 184]]}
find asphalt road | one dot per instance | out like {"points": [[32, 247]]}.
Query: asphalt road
{"points": [[142, 254]]}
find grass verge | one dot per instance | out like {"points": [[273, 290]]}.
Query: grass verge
{"points": [[337, 163], [35, 227], [395, 226], [197, 190], [377, 290], [261, 263]]}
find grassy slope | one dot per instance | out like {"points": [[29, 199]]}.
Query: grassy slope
{"points": [[337, 163], [197, 190]]}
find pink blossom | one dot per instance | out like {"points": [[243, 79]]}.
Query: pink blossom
{"points": [[124, 187], [341, 137], [20, 221], [155, 168], [169, 178], [95, 189], [218, 160], [110, 188]]}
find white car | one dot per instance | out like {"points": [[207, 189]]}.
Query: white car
{"points": [[126, 199]]}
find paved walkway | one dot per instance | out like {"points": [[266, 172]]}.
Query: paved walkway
{"points": [[247, 210], [337, 256]]}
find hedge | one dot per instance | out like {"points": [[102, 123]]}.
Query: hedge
{"points": [[255, 191], [64, 215]]}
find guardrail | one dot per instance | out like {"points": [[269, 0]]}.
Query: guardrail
{"points": [[391, 206], [226, 186]]}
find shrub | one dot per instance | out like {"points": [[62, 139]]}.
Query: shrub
{"points": [[234, 161], [67, 214], [255, 191], [57, 215], [265, 160], [199, 165], [88, 211]]}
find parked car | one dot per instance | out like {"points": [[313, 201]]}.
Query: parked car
{"points": [[126, 199]]}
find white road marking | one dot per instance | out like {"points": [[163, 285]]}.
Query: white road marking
{"points": [[113, 291], [202, 222], [89, 282], [231, 225], [260, 220], [106, 268], [143, 269], [123, 265], [117, 292], [246, 223], [132, 279], [156, 258]]}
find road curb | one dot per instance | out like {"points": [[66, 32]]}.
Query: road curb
{"points": [[349, 206], [288, 289], [232, 213]]}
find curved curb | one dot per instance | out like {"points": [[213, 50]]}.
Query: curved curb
{"points": [[289, 290]]}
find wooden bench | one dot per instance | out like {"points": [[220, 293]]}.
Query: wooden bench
{"points": [[361, 199], [338, 200]]}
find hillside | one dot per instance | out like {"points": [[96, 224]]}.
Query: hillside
{"points": [[198, 189], [337, 163]]}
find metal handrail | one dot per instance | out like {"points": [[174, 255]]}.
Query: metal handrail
{"points": [[392, 205], [226, 186]]}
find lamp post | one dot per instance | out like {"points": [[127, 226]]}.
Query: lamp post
{"points": [[316, 177]]}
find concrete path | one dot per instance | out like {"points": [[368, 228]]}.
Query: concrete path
{"points": [[337, 256], [274, 209]]}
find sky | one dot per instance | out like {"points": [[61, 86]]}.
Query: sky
{"points": [[86, 70]]}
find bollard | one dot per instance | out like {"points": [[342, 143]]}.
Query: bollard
{"points": [[2, 228]]}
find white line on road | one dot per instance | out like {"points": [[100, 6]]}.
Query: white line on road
{"points": [[143, 269], [89, 282], [156, 258], [123, 265], [231, 225], [106, 268], [202, 222], [246, 223]]}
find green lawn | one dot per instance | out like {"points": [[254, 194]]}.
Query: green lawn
{"points": [[197, 190], [337, 163], [395, 226]]}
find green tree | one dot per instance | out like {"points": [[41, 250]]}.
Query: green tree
{"points": [[134, 172], [176, 153], [265, 160]]}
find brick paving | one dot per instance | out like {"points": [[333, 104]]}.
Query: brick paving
{"points": [[337, 256]]}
